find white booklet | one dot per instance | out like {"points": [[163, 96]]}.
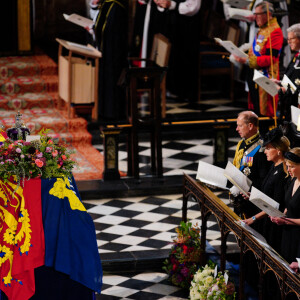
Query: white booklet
{"points": [[265, 83], [239, 14], [265, 203], [237, 178], [79, 20], [295, 115], [211, 175], [232, 48], [238, 3], [286, 81]]}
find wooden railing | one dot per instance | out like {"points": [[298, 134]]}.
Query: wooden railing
{"points": [[266, 260]]}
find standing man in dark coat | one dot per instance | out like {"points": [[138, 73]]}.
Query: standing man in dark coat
{"points": [[183, 31], [110, 31]]}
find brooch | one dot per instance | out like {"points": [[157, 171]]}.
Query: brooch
{"points": [[257, 48]]}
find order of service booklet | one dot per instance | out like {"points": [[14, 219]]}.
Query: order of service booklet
{"points": [[285, 82], [265, 83], [79, 20], [211, 175], [237, 178], [265, 203], [238, 3], [239, 14], [232, 48]]}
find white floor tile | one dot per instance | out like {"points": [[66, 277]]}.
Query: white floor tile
{"points": [[143, 207], [150, 216], [114, 279], [161, 289], [129, 240], [119, 291], [119, 229], [113, 220], [103, 209], [151, 277]]}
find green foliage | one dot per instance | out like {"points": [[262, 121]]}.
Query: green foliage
{"points": [[185, 255], [42, 158]]}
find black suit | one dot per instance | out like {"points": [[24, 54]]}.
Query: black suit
{"points": [[287, 99], [111, 39]]}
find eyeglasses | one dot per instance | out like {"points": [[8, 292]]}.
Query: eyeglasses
{"points": [[258, 14], [289, 39]]}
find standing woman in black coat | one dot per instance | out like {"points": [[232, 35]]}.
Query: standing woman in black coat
{"points": [[275, 146], [290, 246]]}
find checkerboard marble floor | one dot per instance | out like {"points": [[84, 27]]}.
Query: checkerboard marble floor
{"points": [[142, 224], [179, 156]]}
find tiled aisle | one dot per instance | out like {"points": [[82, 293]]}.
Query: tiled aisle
{"points": [[143, 224]]}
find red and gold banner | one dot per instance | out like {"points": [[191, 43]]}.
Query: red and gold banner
{"points": [[21, 248]]}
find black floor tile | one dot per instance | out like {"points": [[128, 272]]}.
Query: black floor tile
{"points": [[164, 210], [135, 223], [187, 156], [154, 243], [145, 233]]}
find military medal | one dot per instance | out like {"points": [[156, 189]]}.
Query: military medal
{"points": [[257, 48], [247, 162]]}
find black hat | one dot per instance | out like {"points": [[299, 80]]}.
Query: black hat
{"points": [[272, 135]]}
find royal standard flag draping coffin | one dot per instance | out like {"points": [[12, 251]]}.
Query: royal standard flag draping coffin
{"points": [[70, 237], [21, 237]]}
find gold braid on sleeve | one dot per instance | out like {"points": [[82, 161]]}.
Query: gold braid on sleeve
{"points": [[239, 153]]}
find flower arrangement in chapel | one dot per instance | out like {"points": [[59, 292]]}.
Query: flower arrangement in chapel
{"points": [[184, 257], [36, 159], [208, 284]]}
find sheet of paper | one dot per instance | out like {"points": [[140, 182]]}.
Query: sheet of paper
{"points": [[238, 3], [265, 203], [295, 113], [253, 232], [265, 83], [239, 14], [237, 178], [232, 48], [79, 46], [211, 175], [286, 81], [79, 20]]}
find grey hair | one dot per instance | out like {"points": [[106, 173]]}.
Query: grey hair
{"points": [[295, 29], [264, 5]]}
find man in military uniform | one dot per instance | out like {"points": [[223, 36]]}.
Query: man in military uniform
{"points": [[264, 56], [248, 159]]}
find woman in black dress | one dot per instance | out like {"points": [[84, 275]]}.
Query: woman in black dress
{"points": [[290, 246], [276, 145]]}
